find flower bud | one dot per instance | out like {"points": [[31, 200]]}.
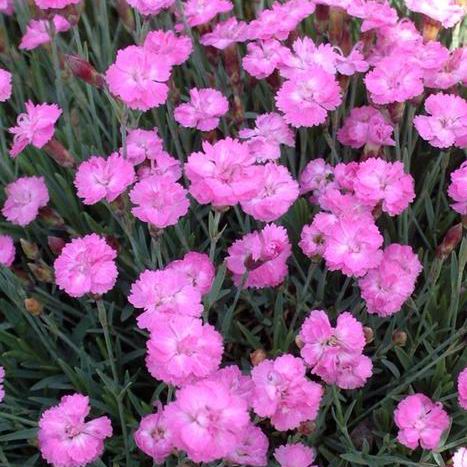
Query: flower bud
{"points": [[51, 217], [307, 428], [431, 29], [59, 153], [450, 241], [399, 338], [369, 334], [30, 249], [56, 244], [299, 343], [258, 356], [33, 306], [83, 70], [125, 14], [42, 272]]}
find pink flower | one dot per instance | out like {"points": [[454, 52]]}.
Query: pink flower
{"points": [[388, 286], [150, 7], [198, 12], [308, 96], [98, 178], [420, 421], [224, 174], [38, 32], [142, 145], [378, 181], [366, 126], [56, 4], [394, 79], [252, 449], [265, 139], [86, 265], [353, 63], [313, 236], [458, 189], [226, 33], [2, 377], [182, 350], [316, 176], [283, 393], [263, 58], [154, 436], [163, 294], [159, 201], [278, 191], [449, 72], [261, 257], [448, 12], [203, 111], [7, 7], [25, 197], [207, 421], [138, 77], [462, 388], [7, 250], [295, 455], [235, 381], [446, 124], [174, 49], [65, 438], [375, 13], [460, 458], [6, 85], [36, 126]]}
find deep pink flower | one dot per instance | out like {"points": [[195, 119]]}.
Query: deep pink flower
{"points": [[252, 449], [316, 176], [458, 189], [450, 72], [57, 4], [175, 49], [235, 381], [295, 455], [375, 13], [226, 33], [263, 58], [25, 197], [139, 78], [353, 63], [65, 438], [2, 377], [261, 257], [36, 126], [150, 7], [203, 111], [7, 7], [447, 12], [199, 12], [313, 236], [99, 178], [420, 421], [462, 388], [7, 250], [6, 85], [284, 394], [38, 32], [142, 145], [86, 265]]}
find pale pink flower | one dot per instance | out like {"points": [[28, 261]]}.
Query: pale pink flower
{"points": [[458, 189], [175, 49], [353, 63], [25, 197], [56, 4], [150, 7], [2, 377], [36, 126], [207, 421], [313, 236], [420, 421], [99, 178], [284, 394], [375, 13], [263, 57], [66, 439], [295, 455], [159, 200], [142, 145], [163, 165], [223, 174], [460, 458], [366, 126], [306, 99], [7, 250], [252, 449], [446, 124], [86, 265], [277, 192], [182, 350], [226, 33], [139, 78], [199, 12], [447, 12], [7, 6], [6, 85], [260, 257], [38, 32], [450, 72], [315, 177], [203, 111], [265, 139], [462, 388]]}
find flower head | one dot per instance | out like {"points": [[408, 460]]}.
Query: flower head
{"points": [[458, 189], [447, 12], [7, 250], [198, 12], [295, 455], [150, 7], [263, 57], [2, 390], [460, 458], [226, 33], [462, 388], [175, 49], [252, 449], [56, 4], [6, 85], [38, 31]]}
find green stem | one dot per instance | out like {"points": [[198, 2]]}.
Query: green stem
{"points": [[214, 234]]}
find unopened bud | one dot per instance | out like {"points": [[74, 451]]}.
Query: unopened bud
{"points": [[307, 428], [31, 250], [396, 111], [125, 14], [399, 338], [337, 17], [51, 217], [369, 334], [258, 356], [56, 244], [33, 306], [59, 153], [83, 70], [321, 18], [299, 343], [42, 272], [450, 241], [431, 29]]}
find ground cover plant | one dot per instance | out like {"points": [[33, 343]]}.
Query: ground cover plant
{"points": [[233, 233]]}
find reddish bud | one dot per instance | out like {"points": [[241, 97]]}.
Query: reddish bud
{"points": [[59, 154], [369, 335], [33, 306], [56, 244], [30, 249], [258, 356], [399, 338], [125, 14], [42, 272], [82, 69], [450, 241], [51, 217]]}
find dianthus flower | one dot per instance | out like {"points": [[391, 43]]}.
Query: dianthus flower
{"points": [[223, 174], [446, 124], [66, 439], [262, 58], [313, 236], [315, 177], [295, 455], [162, 294], [207, 421], [420, 421], [142, 145], [6, 85], [203, 111], [306, 99], [284, 394], [265, 139], [159, 201], [86, 265], [139, 78], [375, 13], [378, 181], [199, 12], [36, 126], [353, 63], [252, 449], [462, 388], [450, 72], [447, 12], [261, 257], [2, 377], [7, 250], [460, 458], [366, 126], [387, 287], [56, 4], [25, 197], [335, 354], [154, 436], [38, 31], [235, 381], [163, 165], [458, 189], [182, 350], [277, 192], [226, 33], [173, 48], [150, 7], [7, 7], [99, 178]]}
